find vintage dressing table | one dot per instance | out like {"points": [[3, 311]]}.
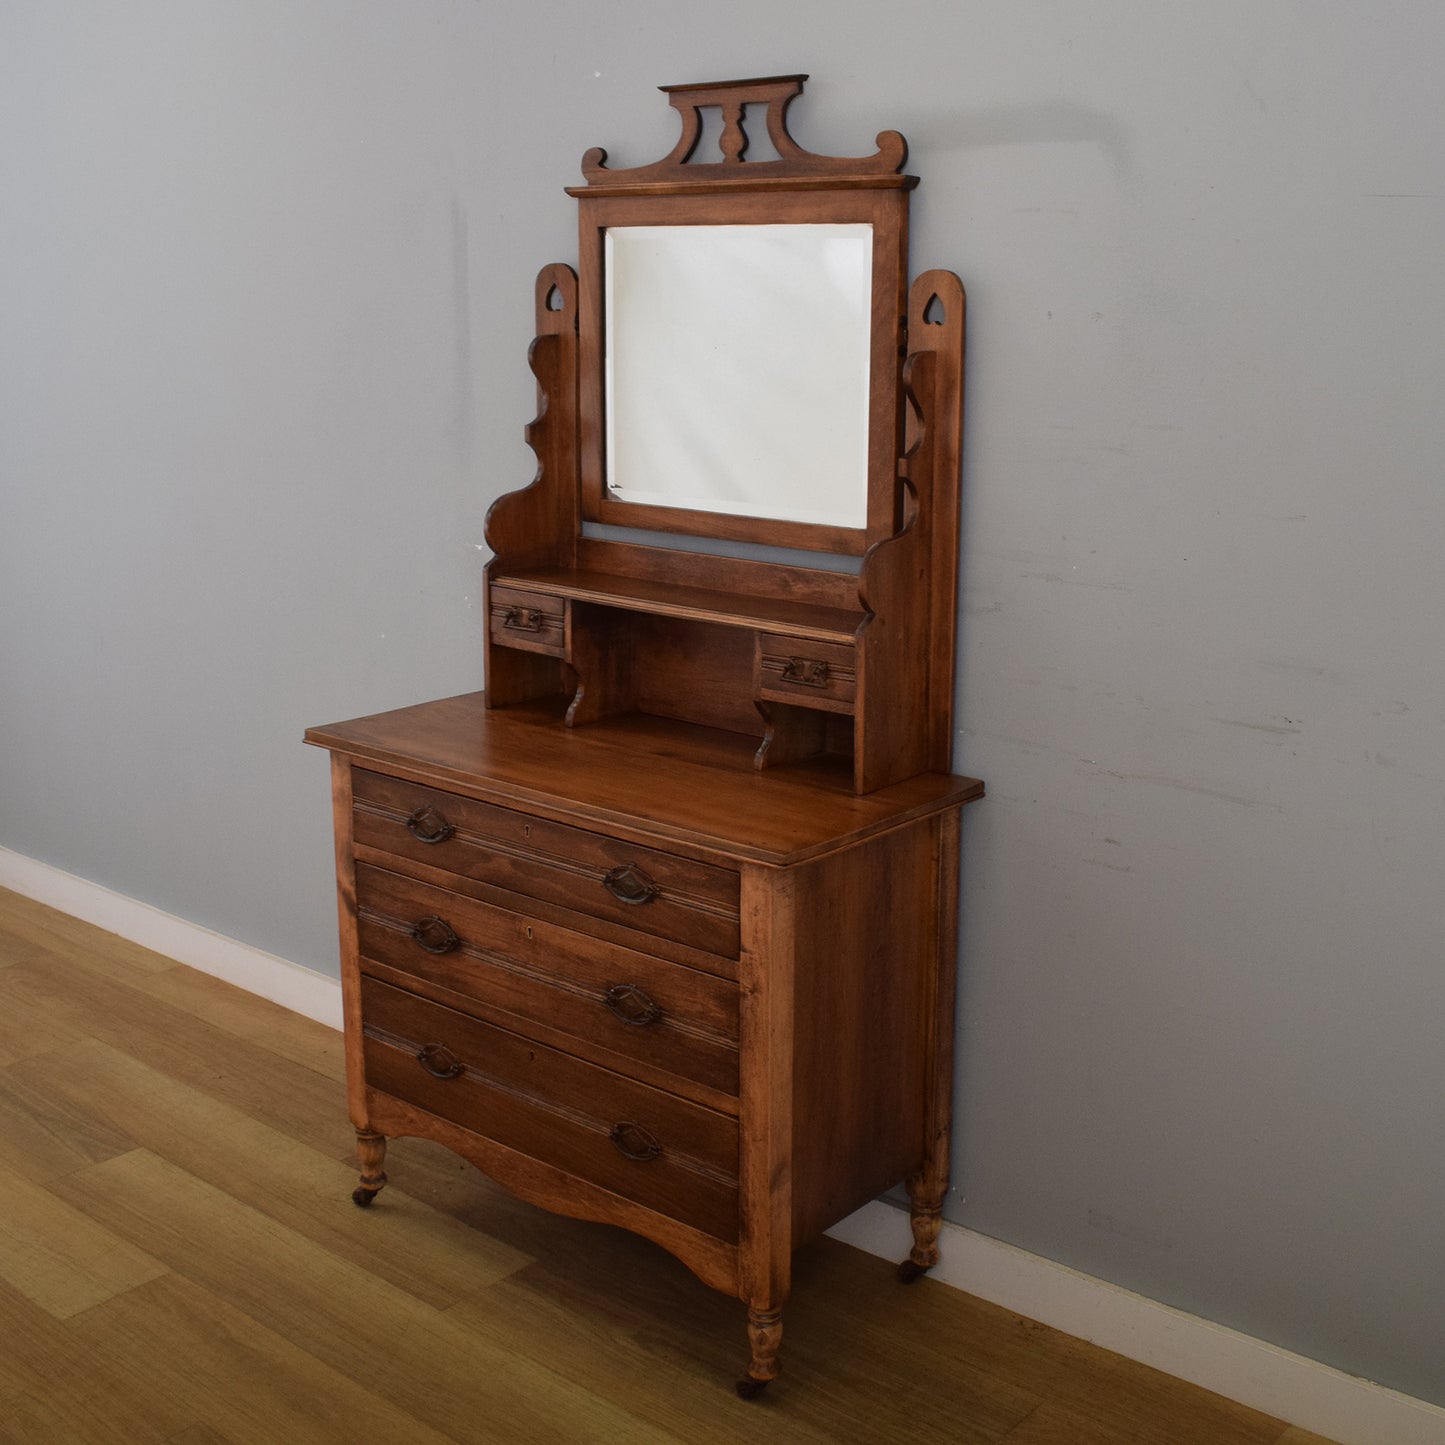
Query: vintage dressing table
{"points": [[661, 930]]}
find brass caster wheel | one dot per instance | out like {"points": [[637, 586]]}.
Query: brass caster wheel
{"points": [[362, 1198], [908, 1271], [749, 1388]]}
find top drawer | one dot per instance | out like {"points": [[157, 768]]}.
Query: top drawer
{"points": [[660, 893]]}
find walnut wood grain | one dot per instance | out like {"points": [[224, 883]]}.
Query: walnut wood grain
{"points": [[696, 791], [694, 903], [538, 910], [538, 525], [527, 975], [554, 1106], [713, 1260], [739, 577], [766, 1139], [866, 956], [928, 1186], [341, 813], [681, 167], [676, 599], [936, 324]]}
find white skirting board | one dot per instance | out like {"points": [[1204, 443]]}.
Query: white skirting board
{"points": [[302, 990], [1263, 1376]]}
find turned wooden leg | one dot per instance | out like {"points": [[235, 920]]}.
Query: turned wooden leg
{"points": [[765, 1334], [925, 1198], [371, 1150], [927, 1188]]}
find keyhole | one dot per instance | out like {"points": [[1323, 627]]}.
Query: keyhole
{"points": [[529, 930]]}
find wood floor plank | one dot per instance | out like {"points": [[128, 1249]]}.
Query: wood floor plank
{"points": [[427, 1253], [595, 1352], [42, 1137], [673, 1367], [23, 920], [294, 1100], [1296, 1436], [60, 1258], [1112, 1392], [29, 1024], [1119, 1398], [206, 1370], [257, 1020], [31, 1420], [61, 1389], [349, 1319]]}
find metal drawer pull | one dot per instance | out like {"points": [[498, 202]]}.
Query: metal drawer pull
{"points": [[631, 1004], [629, 884], [435, 934], [426, 825], [524, 619], [806, 672], [440, 1062], [635, 1142]]}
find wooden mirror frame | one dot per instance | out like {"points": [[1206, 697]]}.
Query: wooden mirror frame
{"points": [[850, 676], [797, 188]]}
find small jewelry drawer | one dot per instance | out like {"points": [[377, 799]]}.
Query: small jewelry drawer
{"points": [[623, 1009], [641, 1143], [808, 674], [531, 621], [589, 873]]}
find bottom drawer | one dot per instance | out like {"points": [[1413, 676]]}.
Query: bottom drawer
{"points": [[646, 1145]]}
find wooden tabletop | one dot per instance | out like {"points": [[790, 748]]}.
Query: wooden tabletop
{"points": [[644, 775]]}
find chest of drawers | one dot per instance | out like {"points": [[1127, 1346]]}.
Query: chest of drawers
{"points": [[636, 984]]}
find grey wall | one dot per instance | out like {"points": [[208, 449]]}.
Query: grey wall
{"points": [[265, 271]]}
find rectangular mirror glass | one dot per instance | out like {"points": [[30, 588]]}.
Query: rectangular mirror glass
{"points": [[736, 369]]}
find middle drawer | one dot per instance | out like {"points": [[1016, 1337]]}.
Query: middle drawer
{"points": [[631, 1005]]}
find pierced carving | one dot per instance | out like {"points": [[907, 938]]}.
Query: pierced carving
{"points": [[524, 525], [736, 98]]}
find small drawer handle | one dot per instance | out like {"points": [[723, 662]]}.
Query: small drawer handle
{"points": [[524, 619], [629, 884], [426, 825], [805, 671], [435, 934], [635, 1142], [440, 1062], [631, 1004]]}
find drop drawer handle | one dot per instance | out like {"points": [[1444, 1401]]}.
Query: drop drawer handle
{"points": [[524, 619], [806, 672], [629, 884], [435, 934], [635, 1142], [440, 1062], [631, 1004], [426, 825]]}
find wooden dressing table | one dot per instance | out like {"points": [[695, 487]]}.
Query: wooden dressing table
{"points": [[661, 930]]}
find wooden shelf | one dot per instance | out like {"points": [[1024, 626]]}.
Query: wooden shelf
{"points": [[667, 599]]}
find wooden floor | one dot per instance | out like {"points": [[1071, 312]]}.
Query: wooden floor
{"points": [[180, 1261]]}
